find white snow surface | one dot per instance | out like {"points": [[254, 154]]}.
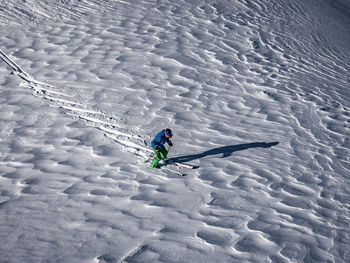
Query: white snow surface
{"points": [[256, 93]]}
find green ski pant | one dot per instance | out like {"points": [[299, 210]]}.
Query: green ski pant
{"points": [[159, 156]]}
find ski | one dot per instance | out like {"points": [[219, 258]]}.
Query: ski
{"points": [[183, 165], [172, 171], [165, 168]]}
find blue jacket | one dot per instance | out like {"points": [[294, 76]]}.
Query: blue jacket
{"points": [[159, 140]]}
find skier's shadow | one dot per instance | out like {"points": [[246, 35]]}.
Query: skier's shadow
{"points": [[225, 151]]}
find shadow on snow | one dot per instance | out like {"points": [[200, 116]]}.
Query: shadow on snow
{"points": [[225, 151]]}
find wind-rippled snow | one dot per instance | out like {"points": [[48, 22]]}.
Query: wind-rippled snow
{"points": [[256, 92]]}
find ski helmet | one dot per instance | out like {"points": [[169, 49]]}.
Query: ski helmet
{"points": [[168, 133]]}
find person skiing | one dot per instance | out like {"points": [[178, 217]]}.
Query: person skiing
{"points": [[158, 146]]}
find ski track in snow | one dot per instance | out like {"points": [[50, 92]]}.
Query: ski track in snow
{"points": [[126, 138], [228, 84]]}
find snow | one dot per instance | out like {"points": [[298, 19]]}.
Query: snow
{"points": [[256, 93]]}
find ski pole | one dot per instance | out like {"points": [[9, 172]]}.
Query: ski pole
{"points": [[168, 159], [187, 166]]}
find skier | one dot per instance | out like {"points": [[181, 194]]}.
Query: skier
{"points": [[158, 146]]}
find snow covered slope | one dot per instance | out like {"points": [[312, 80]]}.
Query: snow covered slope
{"points": [[256, 92]]}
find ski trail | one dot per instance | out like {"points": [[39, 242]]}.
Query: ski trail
{"points": [[128, 140], [20, 72]]}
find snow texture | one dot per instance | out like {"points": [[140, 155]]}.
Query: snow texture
{"points": [[256, 93]]}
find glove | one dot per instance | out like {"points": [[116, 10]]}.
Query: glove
{"points": [[170, 143], [157, 148]]}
